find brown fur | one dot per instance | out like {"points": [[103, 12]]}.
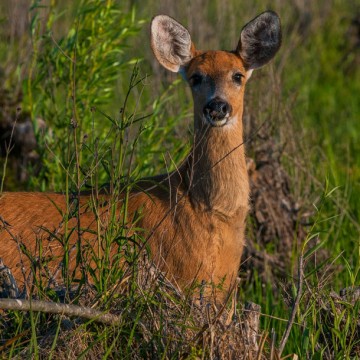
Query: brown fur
{"points": [[194, 217]]}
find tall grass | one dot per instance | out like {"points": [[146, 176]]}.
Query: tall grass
{"points": [[84, 147]]}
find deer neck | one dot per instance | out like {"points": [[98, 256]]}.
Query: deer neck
{"points": [[216, 171]]}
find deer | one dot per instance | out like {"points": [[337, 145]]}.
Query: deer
{"points": [[195, 216]]}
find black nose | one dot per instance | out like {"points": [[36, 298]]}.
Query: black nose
{"points": [[217, 109]]}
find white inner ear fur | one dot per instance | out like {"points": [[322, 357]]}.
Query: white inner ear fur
{"points": [[171, 42], [248, 74]]}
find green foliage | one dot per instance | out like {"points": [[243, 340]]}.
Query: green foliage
{"points": [[70, 77], [69, 86], [328, 109]]}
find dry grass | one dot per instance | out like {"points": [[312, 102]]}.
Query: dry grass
{"points": [[153, 320]]}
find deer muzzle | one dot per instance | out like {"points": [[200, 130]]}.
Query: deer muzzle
{"points": [[217, 112]]}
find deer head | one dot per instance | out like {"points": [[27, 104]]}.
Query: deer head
{"points": [[217, 78]]}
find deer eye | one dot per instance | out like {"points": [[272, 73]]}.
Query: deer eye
{"points": [[237, 77], [196, 79]]}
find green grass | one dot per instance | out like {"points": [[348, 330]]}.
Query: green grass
{"points": [[108, 119]]}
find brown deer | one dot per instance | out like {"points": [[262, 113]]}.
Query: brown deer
{"points": [[194, 216]]}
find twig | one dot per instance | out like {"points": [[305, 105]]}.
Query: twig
{"points": [[261, 346], [273, 340], [8, 148], [57, 308], [295, 306]]}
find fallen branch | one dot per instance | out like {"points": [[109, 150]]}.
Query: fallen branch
{"points": [[57, 308]]}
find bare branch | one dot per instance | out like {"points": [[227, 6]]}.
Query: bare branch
{"points": [[57, 308]]}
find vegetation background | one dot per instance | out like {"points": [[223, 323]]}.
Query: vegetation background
{"points": [[73, 71]]}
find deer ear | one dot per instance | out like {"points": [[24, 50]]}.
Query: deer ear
{"points": [[260, 39], [171, 43]]}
